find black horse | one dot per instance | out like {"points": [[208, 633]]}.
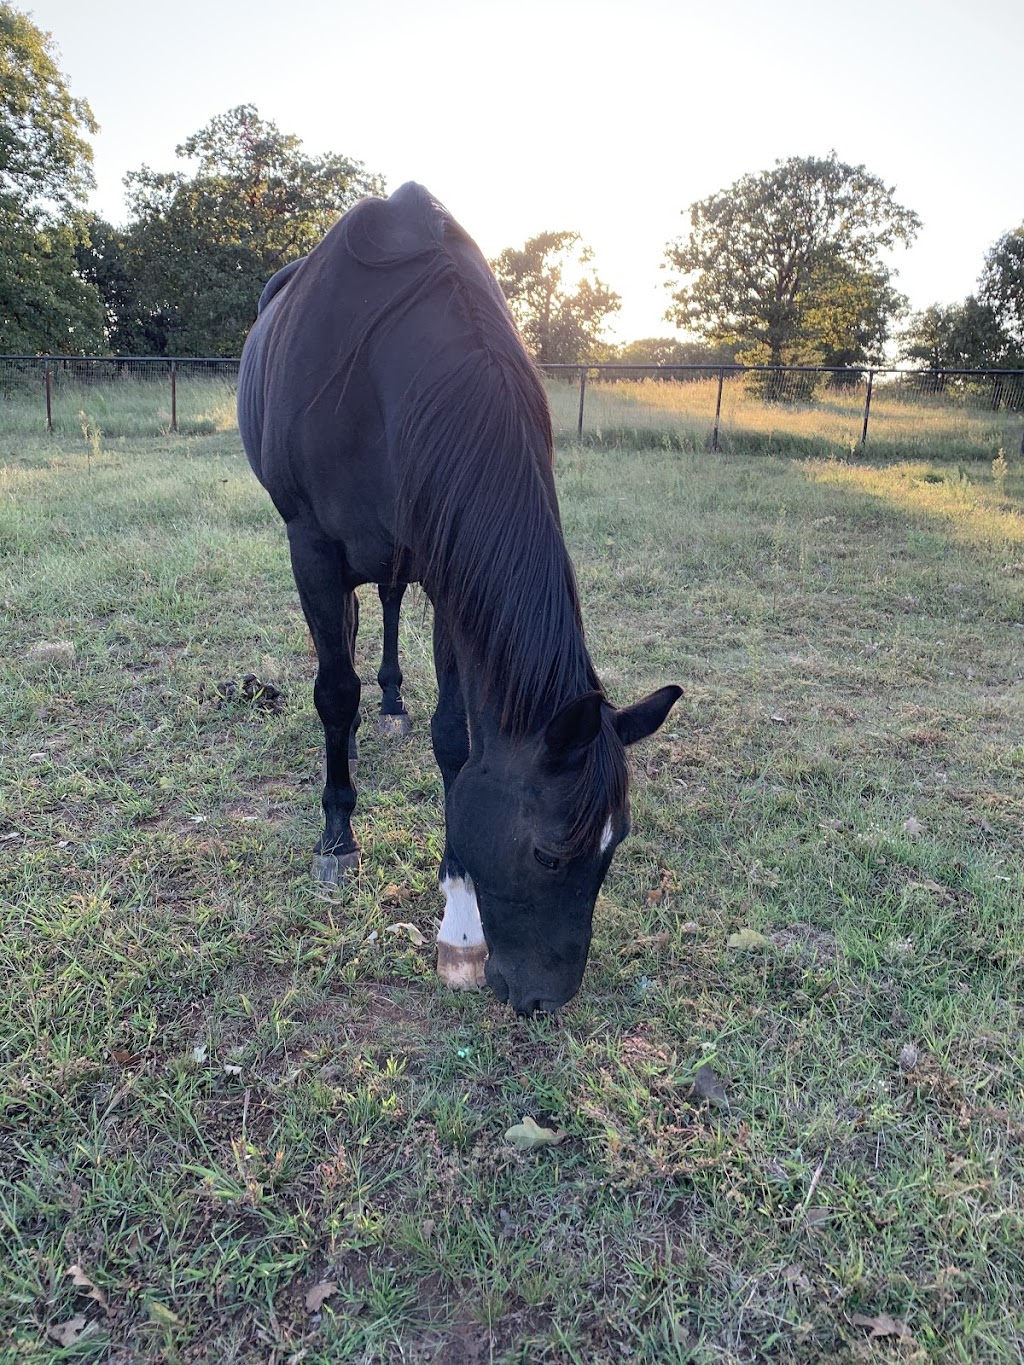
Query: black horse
{"points": [[387, 405]]}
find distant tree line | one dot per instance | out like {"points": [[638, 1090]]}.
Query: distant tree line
{"points": [[784, 267]]}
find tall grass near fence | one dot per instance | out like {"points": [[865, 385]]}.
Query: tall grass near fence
{"points": [[759, 413], [130, 406], [240, 1120], [904, 423]]}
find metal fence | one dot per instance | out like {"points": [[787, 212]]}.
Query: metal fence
{"points": [[721, 408]]}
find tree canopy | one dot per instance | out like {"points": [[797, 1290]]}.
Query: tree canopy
{"points": [[559, 303], [786, 264], [185, 276], [45, 173], [1001, 288], [986, 331]]}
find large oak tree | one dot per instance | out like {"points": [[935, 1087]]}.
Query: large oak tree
{"points": [[786, 264]]}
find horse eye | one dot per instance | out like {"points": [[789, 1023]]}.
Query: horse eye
{"points": [[545, 859]]}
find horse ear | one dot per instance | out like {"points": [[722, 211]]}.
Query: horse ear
{"points": [[575, 726], [644, 717]]}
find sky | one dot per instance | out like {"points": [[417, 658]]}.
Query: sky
{"points": [[607, 117]]}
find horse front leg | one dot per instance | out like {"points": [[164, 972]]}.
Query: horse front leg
{"points": [[394, 719], [332, 614], [461, 948]]}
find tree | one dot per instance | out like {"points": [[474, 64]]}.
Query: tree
{"points": [[45, 172], [786, 264], [202, 246], [556, 298], [958, 336], [1001, 288]]}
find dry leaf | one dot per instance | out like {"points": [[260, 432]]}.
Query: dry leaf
{"points": [[749, 941], [815, 1216], [67, 1333], [395, 894], [656, 941], [162, 1315], [409, 930], [707, 1086], [528, 1135], [913, 827], [315, 1296], [81, 1281], [794, 1275], [882, 1325]]}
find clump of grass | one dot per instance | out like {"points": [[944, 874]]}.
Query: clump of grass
{"points": [[1000, 469], [93, 437]]}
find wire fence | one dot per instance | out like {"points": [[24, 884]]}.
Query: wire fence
{"points": [[891, 411]]}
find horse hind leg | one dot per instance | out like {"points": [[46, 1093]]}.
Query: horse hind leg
{"points": [[332, 614], [394, 719]]}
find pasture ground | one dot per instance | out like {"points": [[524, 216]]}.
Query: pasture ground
{"points": [[240, 1121]]}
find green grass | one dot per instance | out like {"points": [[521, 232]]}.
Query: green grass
{"points": [[220, 1089]]}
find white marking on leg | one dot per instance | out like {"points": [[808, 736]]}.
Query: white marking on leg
{"points": [[606, 834], [461, 949], [461, 925]]}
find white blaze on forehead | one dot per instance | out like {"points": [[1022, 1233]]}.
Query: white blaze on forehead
{"points": [[461, 924], [606, 834]]}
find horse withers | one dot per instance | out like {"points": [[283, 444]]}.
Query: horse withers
{"points": [[389, 408]]}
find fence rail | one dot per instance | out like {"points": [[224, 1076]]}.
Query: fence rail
{"points": [[714, 406]]}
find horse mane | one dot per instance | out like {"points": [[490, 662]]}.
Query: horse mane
{"points": [[477, 512]]}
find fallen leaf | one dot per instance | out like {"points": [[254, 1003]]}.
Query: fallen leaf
{"points": [[67, 1333], [409, 930], [707, 1086], [882, 1325], [315, 1296], [81, 1281], [794, 1275], [815, 1216], [656, 941], [230, 1070], [749, 941], [162, 1315], [123, 1058], [395, 894], [528, 1135], [908, 1057], [913, 827], [199, 1052]]}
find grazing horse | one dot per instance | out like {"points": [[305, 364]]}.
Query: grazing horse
{"points": [[388, 407]]}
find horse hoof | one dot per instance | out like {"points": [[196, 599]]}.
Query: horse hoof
{"points": [[394, 727], [462, 969], [331, 869]]}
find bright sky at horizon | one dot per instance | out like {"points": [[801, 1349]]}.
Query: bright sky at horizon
{"points": [[605, 118]]}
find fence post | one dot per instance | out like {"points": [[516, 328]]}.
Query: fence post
{"points": [[583, 393], [48, 385], [718, 408], [867, 408], [174, 396]]}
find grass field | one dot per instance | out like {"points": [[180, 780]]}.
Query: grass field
{"points": [[240, 1121]]}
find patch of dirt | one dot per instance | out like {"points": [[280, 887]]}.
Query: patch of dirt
{"points": [[806, 942]]}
